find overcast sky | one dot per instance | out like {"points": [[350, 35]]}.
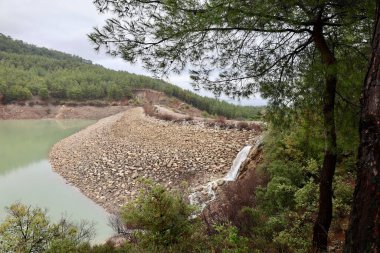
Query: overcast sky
{"points": [[63, 25]]}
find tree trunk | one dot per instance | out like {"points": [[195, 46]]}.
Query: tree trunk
{"points": [[363, 234], [323, 221]]}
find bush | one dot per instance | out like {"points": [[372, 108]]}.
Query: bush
{"points": [[43, 93], [242, 125], [115, 92], [222, 121], [307, 196], [343, 192], [74, 93], [295, 237], [205, 114], [30, 230], [227, 240], [163, 221], [17, 93]]}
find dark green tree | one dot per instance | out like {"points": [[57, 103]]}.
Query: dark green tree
{"points": [[240, 47], [27, 229], [163, 221], [52, 74]]}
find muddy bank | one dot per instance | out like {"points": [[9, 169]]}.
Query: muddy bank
{"points": [[58, 112], [106, 159]]}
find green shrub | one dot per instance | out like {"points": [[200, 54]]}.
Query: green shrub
{"points": [[30, 230], [115, 92], [163, 221], [296, 236], [280, 193], [3, 88], [307, 197], [343, 192], [17, 93], [227, 240], [74, 92], [43, 93]]}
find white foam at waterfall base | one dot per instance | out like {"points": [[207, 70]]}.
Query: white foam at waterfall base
{"points": [[235, 168], [195, 198], [198, 198]]}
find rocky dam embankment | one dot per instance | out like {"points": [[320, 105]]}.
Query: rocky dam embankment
{"points": [[106, 159]]}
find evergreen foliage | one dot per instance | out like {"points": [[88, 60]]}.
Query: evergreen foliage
{"points": [[160, 222], [27, 70], [292, 51], [30, 230], [286, 206]]}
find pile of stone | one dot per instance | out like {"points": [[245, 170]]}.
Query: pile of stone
{"points": [[106, 160]]}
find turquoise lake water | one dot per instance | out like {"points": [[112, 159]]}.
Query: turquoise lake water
{"points": [[27, 177]]}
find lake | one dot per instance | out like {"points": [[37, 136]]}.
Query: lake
{"points": [[27, 177]]}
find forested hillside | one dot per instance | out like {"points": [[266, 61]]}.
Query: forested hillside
{"points": [[27, 70], [314, 183], [309, 59]]}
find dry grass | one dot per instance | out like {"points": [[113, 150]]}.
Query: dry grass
{"points": [[243, 125], [220, 122]]}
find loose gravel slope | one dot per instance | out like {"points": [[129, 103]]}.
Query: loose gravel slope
{"points": [[106, 159]]}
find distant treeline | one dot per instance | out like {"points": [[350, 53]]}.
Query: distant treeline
{"points": [[27, 70]]}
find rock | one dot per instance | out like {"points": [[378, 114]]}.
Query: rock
{"points": [[170, 163], [135, 175], [111, 154], [220, 182]]}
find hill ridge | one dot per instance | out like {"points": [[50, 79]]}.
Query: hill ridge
{"points": [[27, 70]]}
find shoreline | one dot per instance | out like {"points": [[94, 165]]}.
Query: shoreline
{"points": [[106, 160], [14, 112]]}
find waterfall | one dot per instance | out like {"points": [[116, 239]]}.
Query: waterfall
{"points": [[235, 168], [205, 194]]}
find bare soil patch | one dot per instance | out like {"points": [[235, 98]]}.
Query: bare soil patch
{"points": [[13, 111]]}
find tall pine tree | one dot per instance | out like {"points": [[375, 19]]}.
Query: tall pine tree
{"points": [[238, 47]]}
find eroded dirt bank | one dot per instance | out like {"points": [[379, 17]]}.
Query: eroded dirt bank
{"points": [[58, 112], [106, 159]]}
